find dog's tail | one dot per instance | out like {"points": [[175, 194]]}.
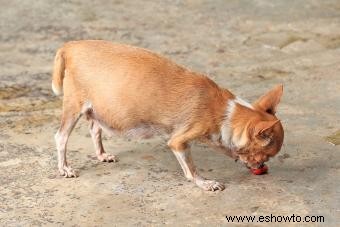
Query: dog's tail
{"points": [[58, 72]]}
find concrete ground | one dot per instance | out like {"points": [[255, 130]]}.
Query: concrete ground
{"points": [[246, 46]]}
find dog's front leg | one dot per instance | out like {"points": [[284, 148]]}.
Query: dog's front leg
{"points": [[184, 158]]}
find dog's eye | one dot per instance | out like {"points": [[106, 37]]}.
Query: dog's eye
{"points": [[270, 111]]}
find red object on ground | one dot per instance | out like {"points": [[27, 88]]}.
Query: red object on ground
{"points": [[262, 170]]}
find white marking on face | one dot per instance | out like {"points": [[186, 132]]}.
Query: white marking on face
{"points": [[240, 140]]}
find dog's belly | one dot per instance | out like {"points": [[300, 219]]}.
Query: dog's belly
{"points": [[139, 131]]}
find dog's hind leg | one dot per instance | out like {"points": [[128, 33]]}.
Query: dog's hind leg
{"points": [[68, 122], [96, 134], [72, 111]]}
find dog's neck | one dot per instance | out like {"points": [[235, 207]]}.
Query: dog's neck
{"points": [[234, 134]]}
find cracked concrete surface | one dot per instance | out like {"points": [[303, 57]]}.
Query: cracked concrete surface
{"points": [[245, 46]]}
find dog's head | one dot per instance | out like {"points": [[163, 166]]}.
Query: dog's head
{"points": [[257, 134]]}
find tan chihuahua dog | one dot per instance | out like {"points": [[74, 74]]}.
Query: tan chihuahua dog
{"points": [[132, 91]]}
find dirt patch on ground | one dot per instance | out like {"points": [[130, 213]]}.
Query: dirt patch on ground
{"points": [[334, 138]]}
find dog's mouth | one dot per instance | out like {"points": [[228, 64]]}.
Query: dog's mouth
{"points": [[256, 166], [236, 156]]}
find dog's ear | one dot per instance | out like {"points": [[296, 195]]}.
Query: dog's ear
{"points": [[270, 100], [263, 130]]}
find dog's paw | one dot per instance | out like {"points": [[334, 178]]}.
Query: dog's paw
{"points": [[209, 185], [68, 172], [106, 157]]}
